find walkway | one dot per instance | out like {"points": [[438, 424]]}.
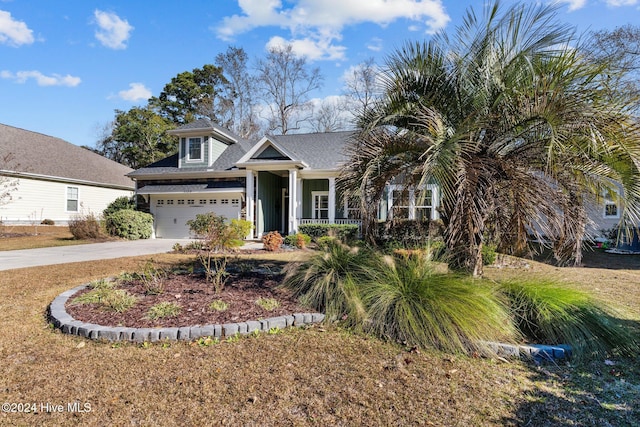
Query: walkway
{"points": [[90, 252]]}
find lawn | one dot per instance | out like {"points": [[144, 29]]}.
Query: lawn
{"points": [[322, 375], [14, 237]]}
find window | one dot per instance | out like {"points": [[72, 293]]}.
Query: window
{"points": [[235, 202], [213, 201], [410, 203], [203, 201], [160, 202], [72, 199], [191, 202], [400, 203], [181, 202], [352, 208], [611, 209], [320, 208], [224, 201], [424, 204], [194, 149], [170, 201]]}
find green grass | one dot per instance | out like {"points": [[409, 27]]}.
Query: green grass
{"points": [[218, 305], [268, 304]]}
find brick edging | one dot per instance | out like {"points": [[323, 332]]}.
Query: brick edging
{"points": [[62, 320]]}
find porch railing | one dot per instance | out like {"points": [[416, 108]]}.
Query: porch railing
{"points": [[357, 222]]}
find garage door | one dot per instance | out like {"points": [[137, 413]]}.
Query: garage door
{"points": [[171, 213]]}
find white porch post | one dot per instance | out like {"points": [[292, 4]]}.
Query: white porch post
{"points": [[332, 200], [293, 203], [249, 190], [298, 202]]}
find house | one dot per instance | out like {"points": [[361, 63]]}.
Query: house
{"points": [[277, 183], [49, 178]]}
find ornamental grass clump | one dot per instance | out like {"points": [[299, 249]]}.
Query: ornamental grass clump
{"points": [[414, 303], [328, 282], [548, 312]]}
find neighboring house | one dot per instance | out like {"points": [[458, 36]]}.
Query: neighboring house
{"points": [[277, 183], [54, 179]]}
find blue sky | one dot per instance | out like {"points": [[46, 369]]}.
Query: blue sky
{"points": [[65, 66]]}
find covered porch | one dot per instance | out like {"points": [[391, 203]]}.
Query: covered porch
{"points": [[282, 200]]}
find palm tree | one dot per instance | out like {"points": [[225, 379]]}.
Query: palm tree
{"points": [[512, 122]]}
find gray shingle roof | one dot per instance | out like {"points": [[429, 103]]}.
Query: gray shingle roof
{"points": [[318, 150], [36, 153]]}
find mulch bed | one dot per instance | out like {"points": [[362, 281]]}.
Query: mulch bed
{"points": [[194, 294]]}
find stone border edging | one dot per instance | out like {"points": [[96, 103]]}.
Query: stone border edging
{"points": [[68, 325]]}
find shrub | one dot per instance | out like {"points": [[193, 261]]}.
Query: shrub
{"points": [[550, 313], [121, 203], [86, 227], [130, 224], [411, 302], [272, 241], [48, 222], [215, 270], [344, 232], [328, 281], [325, 242], [217, 232], [163, 309], [489, 254], [152, 278], [299, 240]]}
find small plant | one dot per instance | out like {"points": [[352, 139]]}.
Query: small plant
{"points": [[233, 338], [215, 270], [163, 309], [268, 304], [153, 279], [177, 247], [274, 331], [219, 234], [207, 341], [272, 241], [48, 222], [324, 242], [86, 227], [218, 305], [118, 300], [299, 240]]}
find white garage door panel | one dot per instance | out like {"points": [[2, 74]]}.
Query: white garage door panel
{"points": [[171, 221]]}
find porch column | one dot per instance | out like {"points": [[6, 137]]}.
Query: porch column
{"points": [[299, 202], [332, 200], [293, 202], [249, 192]]}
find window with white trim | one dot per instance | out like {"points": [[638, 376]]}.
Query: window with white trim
{"points": [[224, 201], [611, 208], [352, 209], [235, 202], [194, 149], [191, 202], [72, 199], [160, 202], [320, 206], [213, 201], [413, 203], [180, 201], [170, 201], [203, 201]]}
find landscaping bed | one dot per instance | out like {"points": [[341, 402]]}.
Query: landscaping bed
{"points": [[246, 296]]}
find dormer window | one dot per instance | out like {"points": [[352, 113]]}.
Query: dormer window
{"points": [[194, 150]]}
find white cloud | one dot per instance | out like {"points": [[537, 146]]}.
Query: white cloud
{"points": [[375, 44], [12, 32], [41, 79], [316, 25], [574, 4], [617, 3], [113, 32], [136, 92], [312, 49]]}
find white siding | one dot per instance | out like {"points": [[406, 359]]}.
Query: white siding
{"points": [[35, 200]]}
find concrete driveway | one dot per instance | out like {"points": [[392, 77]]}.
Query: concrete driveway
{"points": [[91, 252]]}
